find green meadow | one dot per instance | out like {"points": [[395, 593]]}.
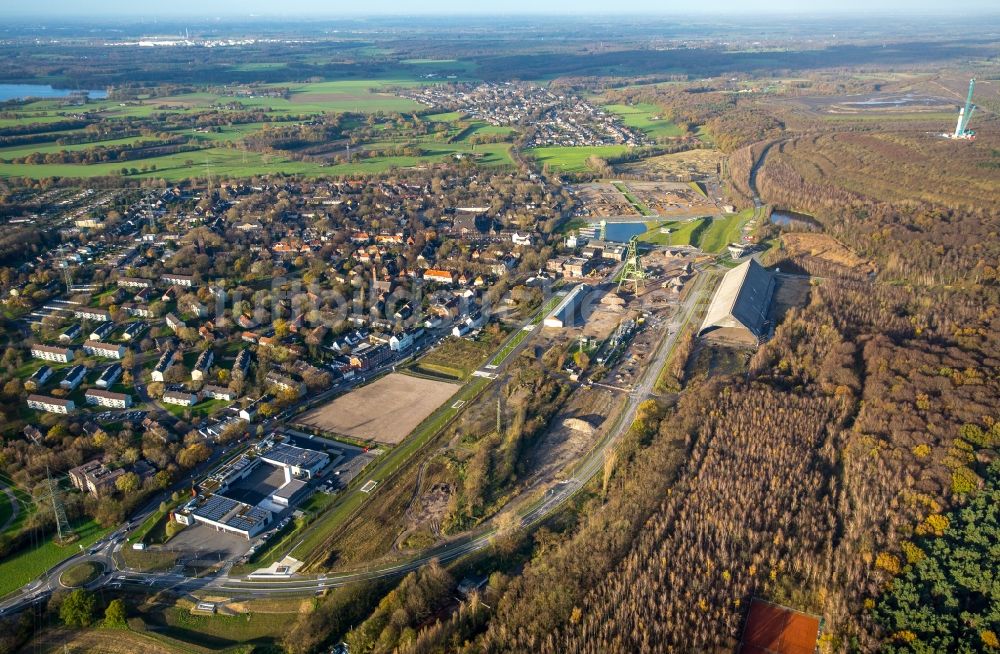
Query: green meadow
{"points": [[570, 159], [646, 117], [219, 157]]}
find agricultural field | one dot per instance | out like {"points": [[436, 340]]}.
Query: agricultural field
{"points": [[648, 118], [222, 151], [106, 641], [354, 96], [385, 411], [568, 159]]}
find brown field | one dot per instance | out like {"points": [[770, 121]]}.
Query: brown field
{"points": [[670, 198], [682, 166], [603, 199], [116, 641], [825, 248], [384, 411]]}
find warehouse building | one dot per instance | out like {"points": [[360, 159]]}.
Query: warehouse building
{"points": [[569, 310], [739, 309], [225, 514], [296, 461]]}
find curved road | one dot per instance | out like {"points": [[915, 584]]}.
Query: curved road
{"points": [[533, 512]]}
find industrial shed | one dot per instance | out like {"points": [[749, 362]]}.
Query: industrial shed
{"points": [[738, 313]]}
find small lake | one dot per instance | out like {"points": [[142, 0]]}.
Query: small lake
{"points": [[622, 232], [794, 219], [44, 91]]}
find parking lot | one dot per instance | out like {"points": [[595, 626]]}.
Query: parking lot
{"points": [[115, 416]]}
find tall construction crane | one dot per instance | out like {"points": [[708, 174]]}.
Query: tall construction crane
{"points": [[962, 130]]}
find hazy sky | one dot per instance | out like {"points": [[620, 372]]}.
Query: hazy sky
{"points": [[332, 9]]}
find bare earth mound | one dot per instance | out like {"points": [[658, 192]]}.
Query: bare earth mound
{"points": [[384, 411], [825, 247]]}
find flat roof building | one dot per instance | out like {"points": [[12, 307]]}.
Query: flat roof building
{"points": [[296, 460], [225, 514], [94, 477], [288, 492]]}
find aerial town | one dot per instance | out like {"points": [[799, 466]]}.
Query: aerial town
{"points": [[554, 118], [497, 334]]}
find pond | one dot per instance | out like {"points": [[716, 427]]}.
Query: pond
{"points": [[22, 91], [794, 219], [622, 232]]}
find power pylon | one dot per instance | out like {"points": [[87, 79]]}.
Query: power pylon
{"points": [[499, 417], [58, 510], [632, 273]]}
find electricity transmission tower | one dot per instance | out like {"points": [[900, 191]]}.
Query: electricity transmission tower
{"points": [[632, 273], [68, 278], [499, 418], [58, 510]]}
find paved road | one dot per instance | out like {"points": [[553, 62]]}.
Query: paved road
{"points": [[15, 506], [533, 512]]}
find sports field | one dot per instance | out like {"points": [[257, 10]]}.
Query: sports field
{"points": [[384, 411]]}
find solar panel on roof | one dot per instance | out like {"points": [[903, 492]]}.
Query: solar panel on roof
{"points": [[216, 507]]}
